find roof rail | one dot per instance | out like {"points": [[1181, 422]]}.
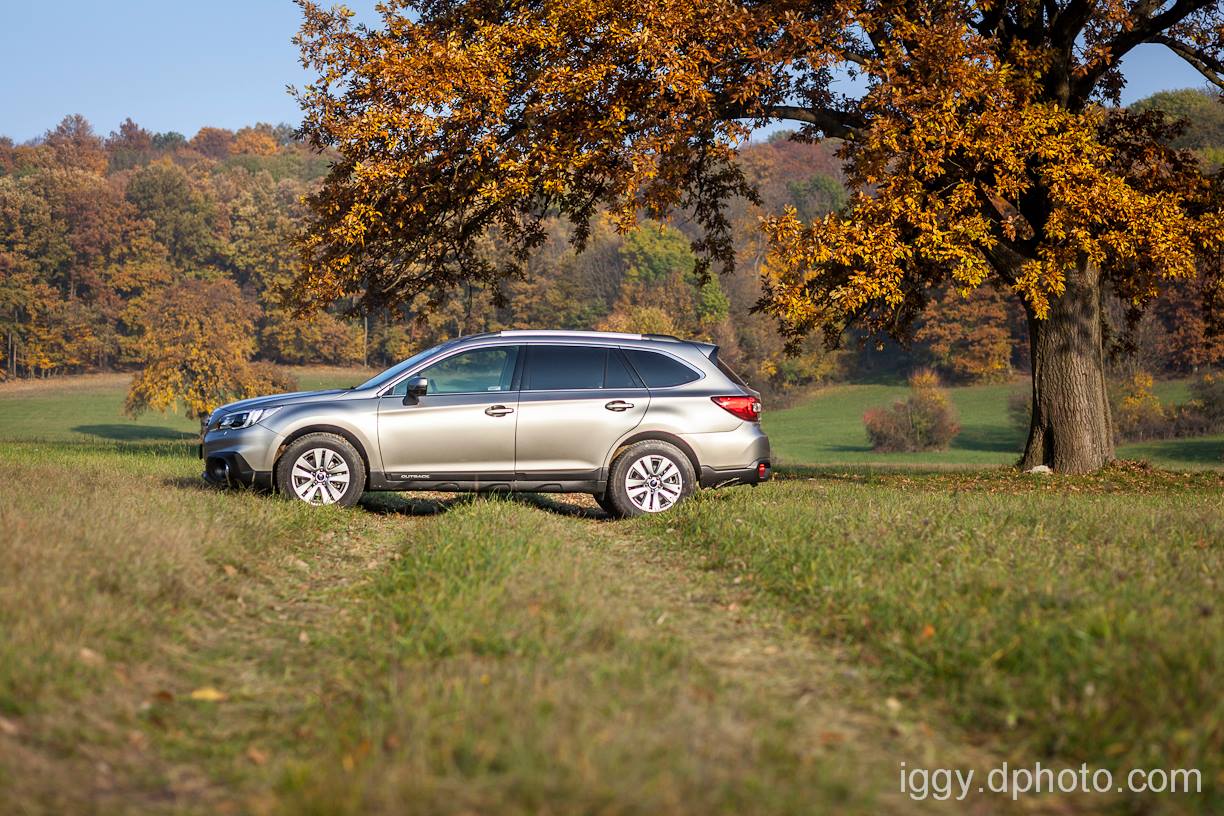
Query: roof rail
{"points": [[579, 333]]}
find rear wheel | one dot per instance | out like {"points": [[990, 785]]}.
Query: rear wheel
{"points": [[649, 477], [321, 468]]}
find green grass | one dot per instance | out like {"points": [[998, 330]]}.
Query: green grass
{"points": [[827, 429], [90, 409], [769, 650], [409, 656], [1072, 619]]}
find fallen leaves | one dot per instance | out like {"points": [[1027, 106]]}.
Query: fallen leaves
{"points": [[89, 657], [208, 694]]}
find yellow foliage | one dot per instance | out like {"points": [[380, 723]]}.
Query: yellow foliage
{"points": [[196, 347]]}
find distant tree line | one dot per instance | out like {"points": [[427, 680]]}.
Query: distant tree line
{"points": [[114, 247]]}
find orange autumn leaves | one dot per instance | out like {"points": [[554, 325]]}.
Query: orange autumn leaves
{"points": [[460, 119], [960, 145], [977, 152]]}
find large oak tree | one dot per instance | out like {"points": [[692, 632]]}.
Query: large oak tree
{"points": [[980, 147]]}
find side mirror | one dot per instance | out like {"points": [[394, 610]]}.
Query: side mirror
{"points": [[418, 386]]}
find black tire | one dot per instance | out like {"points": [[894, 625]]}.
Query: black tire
{"points": [[678, 477], [308, 445], [606, 505]]}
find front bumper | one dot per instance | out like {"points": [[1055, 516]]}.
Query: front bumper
{"points": [[229, 469], [239, 458]]}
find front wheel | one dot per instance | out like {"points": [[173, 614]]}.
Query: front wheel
{"points": [[649, 477], [321, 468]]}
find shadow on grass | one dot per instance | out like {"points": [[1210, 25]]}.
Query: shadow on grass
{"points": [[1201, 451], [124, 432], [991, 438], [434, 504], [418, 504]]}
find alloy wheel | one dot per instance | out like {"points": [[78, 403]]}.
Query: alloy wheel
{"points": [[320, 476], [654, 483]]}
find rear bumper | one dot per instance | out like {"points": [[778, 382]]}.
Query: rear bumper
{"points": [[732, 457], [724, 477]]}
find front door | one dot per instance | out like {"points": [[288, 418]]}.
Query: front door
{"points": [[462, 429], [576, 402]]}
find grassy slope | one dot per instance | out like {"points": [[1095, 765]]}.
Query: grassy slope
{"points": [[1072, 618], [774, 650], [408, 657], [828, 429], [90, 409]]}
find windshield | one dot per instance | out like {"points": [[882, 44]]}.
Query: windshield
{"points": [[379, 380]]}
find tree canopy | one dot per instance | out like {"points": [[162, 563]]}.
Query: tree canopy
{"points": [[981, 148]]}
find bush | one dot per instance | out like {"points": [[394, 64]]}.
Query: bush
{"points": [[1208, 393], [926, 421], [1137, 412], [1139, 415]]}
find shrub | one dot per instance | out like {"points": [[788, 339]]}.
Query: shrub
{"points": [[1208, 393], [1137, 412], [926, 421], [1139, 415]]}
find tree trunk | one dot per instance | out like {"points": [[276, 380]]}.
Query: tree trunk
{"points": [[1071, 429]]}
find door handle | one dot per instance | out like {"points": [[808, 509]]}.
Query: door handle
{"points": [[498, 410], [618, 405]]}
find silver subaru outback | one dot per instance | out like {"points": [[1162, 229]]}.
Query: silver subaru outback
{"points": [[638, 421]]}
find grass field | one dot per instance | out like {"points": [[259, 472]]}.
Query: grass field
{"points": [[828, 429], [168, 648]]}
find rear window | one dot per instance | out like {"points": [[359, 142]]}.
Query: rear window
{"points": [[564, 368], [731, 375], [659, 370]]}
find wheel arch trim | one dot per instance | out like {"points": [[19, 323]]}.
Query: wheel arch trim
{"points": [[335, 430], [654, 436]]}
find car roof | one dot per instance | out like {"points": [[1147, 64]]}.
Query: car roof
{"points": [[566, 335]]}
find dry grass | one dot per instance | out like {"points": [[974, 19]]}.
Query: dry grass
{"points": [[433, 657], [777, 650]]}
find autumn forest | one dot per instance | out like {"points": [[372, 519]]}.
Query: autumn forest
{"points": [[111, 246]]}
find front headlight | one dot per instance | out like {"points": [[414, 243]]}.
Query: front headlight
{"points": [[245, 419]]}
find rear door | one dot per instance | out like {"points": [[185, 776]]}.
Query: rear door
{"points": [[462, 429], [576, 402]]}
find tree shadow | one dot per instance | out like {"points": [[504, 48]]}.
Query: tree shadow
{"points": [[124, 432], [1206, 450], [991, 438]]}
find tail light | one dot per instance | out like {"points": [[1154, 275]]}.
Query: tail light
{"points": [[746, 408]]}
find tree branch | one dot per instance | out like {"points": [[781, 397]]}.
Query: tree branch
{"points": [[831, 122], [1144, 30], [1207, 65], [1067, 24]]}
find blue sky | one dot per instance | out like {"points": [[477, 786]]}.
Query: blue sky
{"points": [[175, 65]]}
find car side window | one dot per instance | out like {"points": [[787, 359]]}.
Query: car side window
{"points": [[469, 372], [659, 370], [564, 368], [617, 374]]}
